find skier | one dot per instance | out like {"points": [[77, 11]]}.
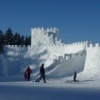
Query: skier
{"points": [[75, 75], [42, 73], [28, 72]]}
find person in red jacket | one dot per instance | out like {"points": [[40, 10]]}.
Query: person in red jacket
{"points": [[28, 71], [25, 76]]}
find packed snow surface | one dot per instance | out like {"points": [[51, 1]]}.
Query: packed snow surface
{"points": [[84, 90]]}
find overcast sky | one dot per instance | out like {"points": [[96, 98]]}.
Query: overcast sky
{"points": [[77, 20]]}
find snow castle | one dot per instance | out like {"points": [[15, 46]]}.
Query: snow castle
{"points": [[46, 47]]}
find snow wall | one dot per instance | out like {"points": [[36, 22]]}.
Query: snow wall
{"points": [[92, 63], [58, 57]]}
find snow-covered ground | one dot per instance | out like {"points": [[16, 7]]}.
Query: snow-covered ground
{"points": [[84, 90]]}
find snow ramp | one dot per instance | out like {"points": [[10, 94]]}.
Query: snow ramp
{"points": [[67, 68]]}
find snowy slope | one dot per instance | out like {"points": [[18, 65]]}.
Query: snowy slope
{"points": [[67, 67]]}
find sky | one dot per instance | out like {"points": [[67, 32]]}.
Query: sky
{"points": [[77, 20]]}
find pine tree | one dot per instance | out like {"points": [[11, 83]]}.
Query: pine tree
{"points": [[22, 40], [1, 37], [9, 37], [1, 42]]}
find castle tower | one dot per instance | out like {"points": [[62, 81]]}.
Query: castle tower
{"points": [[41, 36]]}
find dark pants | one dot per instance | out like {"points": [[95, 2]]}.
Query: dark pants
{"points": [[28, 77], [25, 77], [74, 78], [42, 76]]}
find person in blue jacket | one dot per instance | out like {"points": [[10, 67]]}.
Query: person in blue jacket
{"points": [[42, 73]]}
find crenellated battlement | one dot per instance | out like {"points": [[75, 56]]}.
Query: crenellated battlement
{"points": [[47, 30], [49, 38], [17, 48], [59, 49], [65, 57]]}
